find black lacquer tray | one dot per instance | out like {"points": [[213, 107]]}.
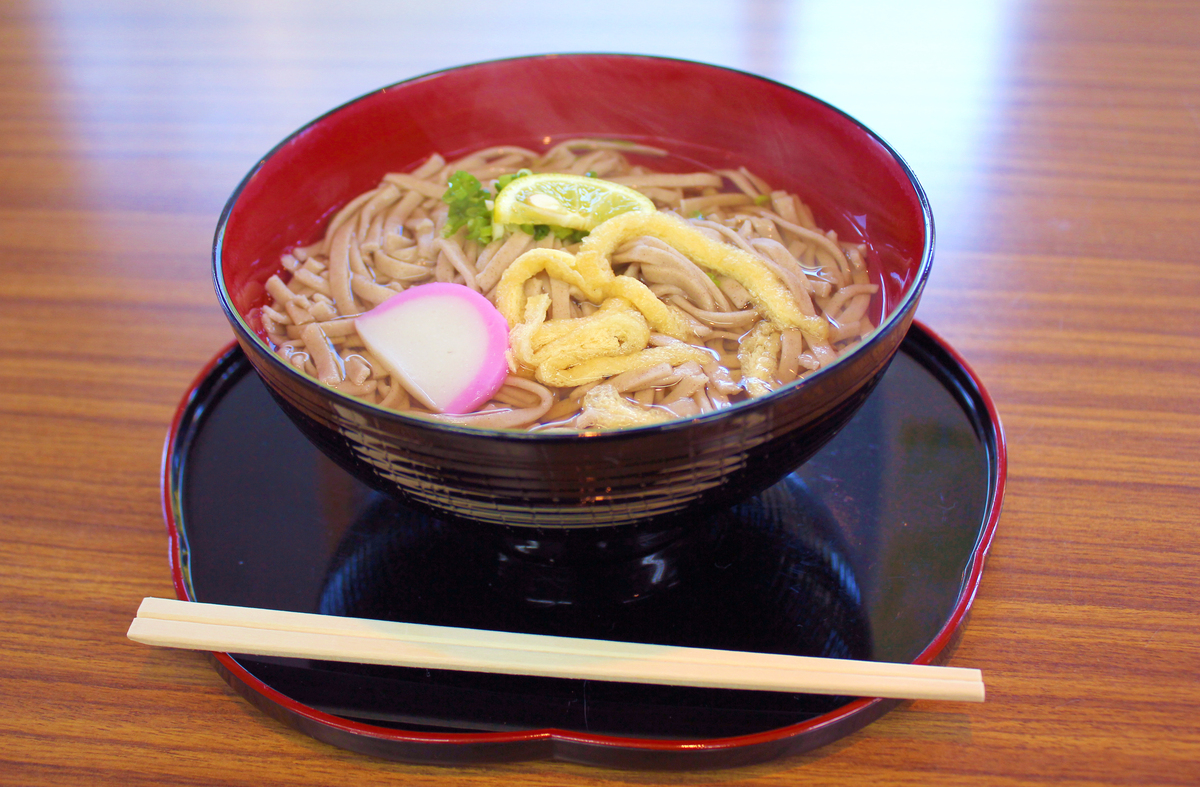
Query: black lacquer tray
{"points": [[872, 550]]}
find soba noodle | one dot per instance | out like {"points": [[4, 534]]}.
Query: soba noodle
{"points": [[391, 238]]}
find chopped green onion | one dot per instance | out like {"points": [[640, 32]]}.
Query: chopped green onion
{"points": [[504, 180], [567, 235], [468, 200]]}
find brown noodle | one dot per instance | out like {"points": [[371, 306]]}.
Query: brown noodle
{"points": [[390, 238]]}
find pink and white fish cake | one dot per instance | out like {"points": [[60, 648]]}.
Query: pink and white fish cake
{"points": [[444, 342]]}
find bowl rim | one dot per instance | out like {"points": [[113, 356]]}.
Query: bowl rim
{"points": [[417, 421]]}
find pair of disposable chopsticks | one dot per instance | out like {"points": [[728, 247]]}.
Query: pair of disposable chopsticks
{"points": [[263, 632]]}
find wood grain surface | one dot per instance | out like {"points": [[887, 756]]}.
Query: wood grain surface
{"points": [[1060, 144]]}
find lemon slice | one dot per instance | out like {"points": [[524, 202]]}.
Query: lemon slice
{"points": [[570, 201]]}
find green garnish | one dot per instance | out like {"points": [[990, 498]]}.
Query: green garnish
{"points": [[762, 199], [467, 199], [538, 231], [568, 235], [565, 234], [504, 180]]}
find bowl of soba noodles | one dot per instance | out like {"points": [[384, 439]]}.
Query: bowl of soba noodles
{"points": [[570, 291]]}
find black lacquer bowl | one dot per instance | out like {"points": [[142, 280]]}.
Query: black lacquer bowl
{"points": [[706, 116], [874, 549]]}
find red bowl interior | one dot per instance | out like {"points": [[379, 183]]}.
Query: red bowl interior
{"points": [[704, 115]]}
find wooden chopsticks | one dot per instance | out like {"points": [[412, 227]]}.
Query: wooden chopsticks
{"points": [[262, 632]]}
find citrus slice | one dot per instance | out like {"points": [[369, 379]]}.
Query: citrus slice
{"points": [[571, 201]]}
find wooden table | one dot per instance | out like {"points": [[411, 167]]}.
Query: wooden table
{"points": [[1059, 142]]}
